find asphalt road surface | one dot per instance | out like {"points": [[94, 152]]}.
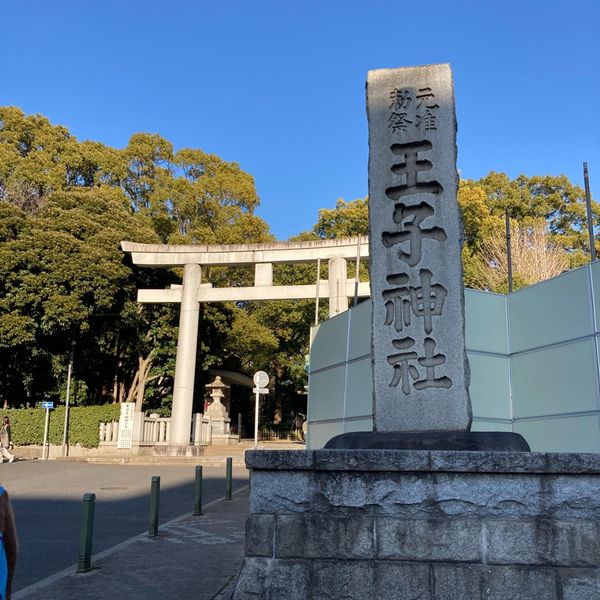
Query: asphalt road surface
{"points": [[47, 500]]}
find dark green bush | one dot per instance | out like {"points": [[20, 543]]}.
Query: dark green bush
{"points": [[27, 424]]}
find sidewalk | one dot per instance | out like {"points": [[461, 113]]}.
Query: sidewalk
{"points": [[193, 558]]}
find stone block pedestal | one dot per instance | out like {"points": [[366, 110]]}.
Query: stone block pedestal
{"points": [[178, 450], [422, 525], [224, 439]]}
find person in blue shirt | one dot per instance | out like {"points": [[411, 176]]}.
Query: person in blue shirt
{"points": [[8, 543]]}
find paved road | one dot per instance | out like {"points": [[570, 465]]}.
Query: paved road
{"points": [[46, 497], [193, 558]]}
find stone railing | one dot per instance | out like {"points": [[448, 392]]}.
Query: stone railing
{"points": [[278, 434], [156, 430], [109, 432], [201, 430], [153, 430]]}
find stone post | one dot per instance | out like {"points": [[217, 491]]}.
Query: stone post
{"points": [[338, 301], [138, 430], [185, 366], [263, 274]]}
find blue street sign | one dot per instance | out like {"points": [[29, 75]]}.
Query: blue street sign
{"points": [[47, 405]]}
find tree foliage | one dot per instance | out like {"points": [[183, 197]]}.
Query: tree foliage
{"points": [[64, 207], [547, 202], [63, 278], [534, 204], [535, 257], [347, 219]]}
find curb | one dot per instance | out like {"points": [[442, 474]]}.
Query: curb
{"points": [[217, 461]]}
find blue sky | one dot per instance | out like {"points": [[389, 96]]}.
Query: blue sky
{"points": [[278, 86]]}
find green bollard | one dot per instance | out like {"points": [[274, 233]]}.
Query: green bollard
{"points": [[198, 492], [84, 563], [228, 472], [154, 498]]}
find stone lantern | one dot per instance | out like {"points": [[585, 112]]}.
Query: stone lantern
{"points": [[217, 414], [217, 391]]}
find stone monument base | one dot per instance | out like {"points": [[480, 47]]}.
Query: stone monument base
{"points": [[484, 441], [422, 525], [224, 439]]}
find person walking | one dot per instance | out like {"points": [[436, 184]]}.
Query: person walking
{"points": [[298, 423], [6, 441]]}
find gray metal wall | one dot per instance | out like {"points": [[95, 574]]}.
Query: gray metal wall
{"points": [[533, 356]]}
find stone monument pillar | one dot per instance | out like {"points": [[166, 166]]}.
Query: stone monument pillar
{"points": [[420, 370]]}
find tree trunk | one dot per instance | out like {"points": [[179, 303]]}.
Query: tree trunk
{"points": [[278, 405], [144, 367], [138, 385]]}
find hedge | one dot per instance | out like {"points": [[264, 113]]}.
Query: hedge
{"points": [[27, 424]]}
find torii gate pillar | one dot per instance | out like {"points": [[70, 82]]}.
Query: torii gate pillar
{"points": [[183, 388]]}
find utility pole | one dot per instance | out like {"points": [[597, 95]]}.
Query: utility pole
{"points": [[65, 449], [590, 218], [508, 253]]}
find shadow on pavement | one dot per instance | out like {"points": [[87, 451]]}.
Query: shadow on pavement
{"points": [[49, 528]]}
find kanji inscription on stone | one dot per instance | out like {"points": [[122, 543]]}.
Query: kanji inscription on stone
{"points": [[420, 369]]}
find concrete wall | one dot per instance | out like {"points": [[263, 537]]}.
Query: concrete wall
{"points": [[533, 356]]}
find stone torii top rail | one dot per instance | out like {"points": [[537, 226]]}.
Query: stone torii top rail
{"points": [[220, 254], [337, 288]]}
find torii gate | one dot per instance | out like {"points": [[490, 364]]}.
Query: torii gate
{"points": [[338, 288]]}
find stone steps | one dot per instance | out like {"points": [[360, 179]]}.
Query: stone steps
{"points": [[210, 461], [213, 456]]}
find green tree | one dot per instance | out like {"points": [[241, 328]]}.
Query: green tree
{"points": [[347, 219], [552, 201], [64, 207], [556, 200], [62, 278]]}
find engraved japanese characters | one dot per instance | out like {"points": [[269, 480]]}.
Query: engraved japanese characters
{"points": [[420, 368]]}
